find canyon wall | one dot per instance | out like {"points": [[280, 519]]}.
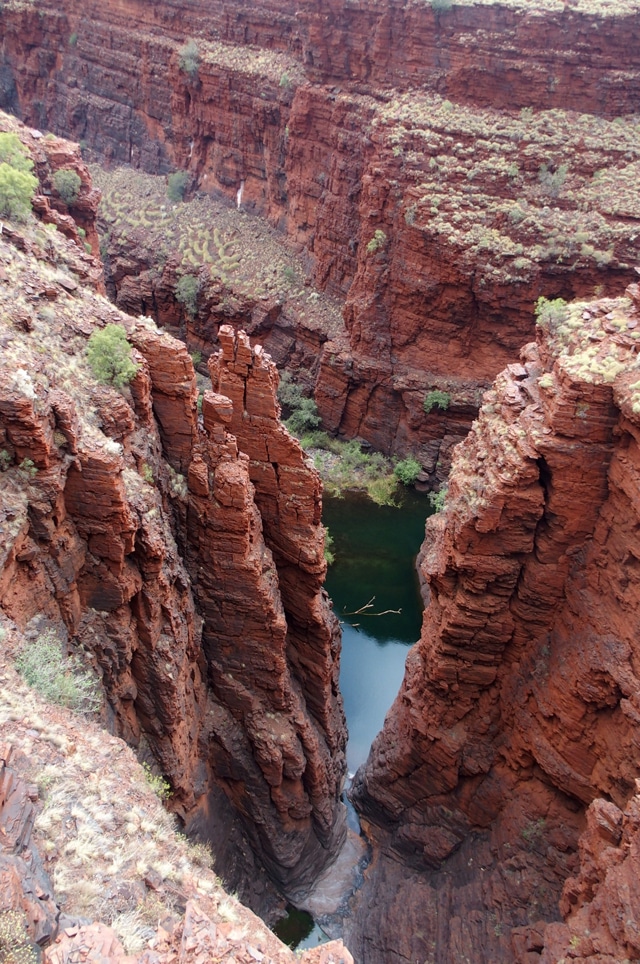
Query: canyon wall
{"points": [[132, 524], [339, 122], [518, 710]]}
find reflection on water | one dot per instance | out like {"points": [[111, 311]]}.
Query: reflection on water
{"points": [[375, 549], [299, 930]]}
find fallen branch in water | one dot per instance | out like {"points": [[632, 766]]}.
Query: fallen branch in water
{"points": [[363, 611]]}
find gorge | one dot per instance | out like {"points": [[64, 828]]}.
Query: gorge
{"points": [[376, 197]]}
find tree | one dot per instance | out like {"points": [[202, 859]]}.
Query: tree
{"points": [[187, 290], [17, 182], [177, 185], [67, 183], [16, 191], [407, 471], [189, 59], [109, 355], [14, 153]]}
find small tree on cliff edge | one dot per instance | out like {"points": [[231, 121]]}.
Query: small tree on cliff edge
{"points": [[17, 183], [109, 355]]}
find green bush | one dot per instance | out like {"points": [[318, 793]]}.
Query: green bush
{"points": [[177, 185], [17, 183], [551, 181], [109, 355], [550, 313], [328, 547], [289, 392], [59, 679], [436, 399], [67, 183], [441, 4], [304, 419], [377, 242], [14, 153], [187, 290], [160, 786], [407, 471], [189, 59], [437, 499]]}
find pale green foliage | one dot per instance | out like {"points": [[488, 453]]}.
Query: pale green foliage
{"points": [[160, 786], [67, 183], [436, 399], [328, 547], [407, 471], [15, 945], [17, 183], [109, 355], [189, 59], [14, 153], [551, 181], [59, 679], [177, 185], [187, 290], [377, 242], [437, 499], [550, 313]]}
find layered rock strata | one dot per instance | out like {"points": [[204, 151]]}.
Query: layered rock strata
{"points": [[356, 122], [519, 705], [130, 522]]}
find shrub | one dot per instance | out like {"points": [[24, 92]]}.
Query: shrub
{"points": [[377, 242], [109, 355], [407, 471], [73, 39], [177, 185], [436, 399], [28, 468], [16, 946], [187, 290], [328, 547], [551, 181], [189, 59], [304, 418], [17, 183], [550, 313], [437, 499], [14, 153], [5, 460], [441, 4], [285, 80], [289, 392], [160, 786], [59, 679], [67, 183]]}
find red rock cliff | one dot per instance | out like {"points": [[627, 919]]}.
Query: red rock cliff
{"points": [[518, 706], [131, 523], [480, 209]]}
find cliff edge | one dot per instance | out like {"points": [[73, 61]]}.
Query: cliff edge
{"points": [[508, 762]]}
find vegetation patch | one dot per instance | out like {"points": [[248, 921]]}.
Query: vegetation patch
{"points": [[436, 399], [17, 182], [58, 679], [67, 183], [109, 355]]}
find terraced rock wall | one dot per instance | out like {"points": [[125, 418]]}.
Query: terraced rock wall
{"points": [[306, 112]]}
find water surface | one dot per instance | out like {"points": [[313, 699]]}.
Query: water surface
{"points": [[375, 549]]}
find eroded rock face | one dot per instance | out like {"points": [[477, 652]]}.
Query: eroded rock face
{"points": [[132, 524], [333, 123], [517, 708]]}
